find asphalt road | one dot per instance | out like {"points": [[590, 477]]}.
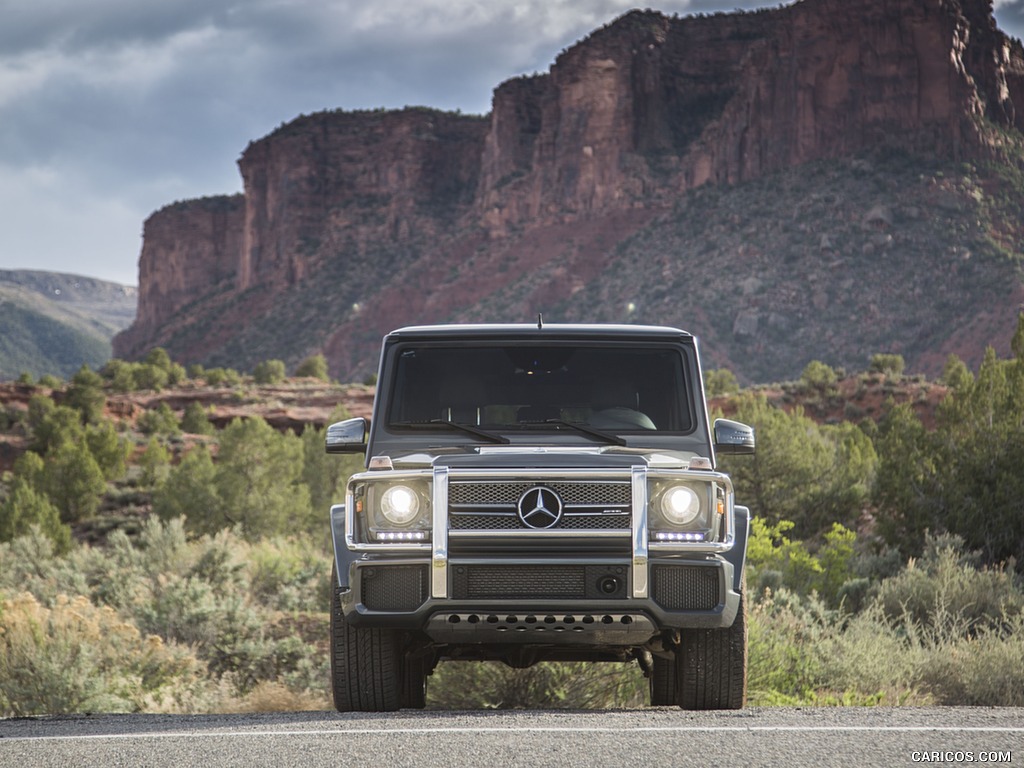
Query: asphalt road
{"points": [[661, 737]]}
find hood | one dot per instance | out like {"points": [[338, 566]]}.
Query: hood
{"points": [[547, 457]]}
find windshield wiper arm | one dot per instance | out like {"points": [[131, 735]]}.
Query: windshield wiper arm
{"points": [[600, 434], [480, 433]]}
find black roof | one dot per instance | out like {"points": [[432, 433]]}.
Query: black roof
{"points": [[539, 332]]}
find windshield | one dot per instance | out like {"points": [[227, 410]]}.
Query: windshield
{"points": [[512, 387]]}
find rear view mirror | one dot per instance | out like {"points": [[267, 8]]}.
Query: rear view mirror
{"points": [[732, 437], [347, 436]]}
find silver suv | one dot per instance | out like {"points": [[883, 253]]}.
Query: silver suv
{"points": [[536, 493]]}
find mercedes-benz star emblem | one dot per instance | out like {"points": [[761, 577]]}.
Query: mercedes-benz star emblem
{"points": [[540, 507]]}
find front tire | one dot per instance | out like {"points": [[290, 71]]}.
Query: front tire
{"points": [[712, 666], [366, 664]]}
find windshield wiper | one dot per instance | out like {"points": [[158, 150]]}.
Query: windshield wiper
{"points": [[480, 433], [600, 434]]}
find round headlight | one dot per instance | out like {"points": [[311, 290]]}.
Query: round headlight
{"points": [[680, 505], [400, 504]]}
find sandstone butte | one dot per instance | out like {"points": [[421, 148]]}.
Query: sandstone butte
{"points": [[358, 222]]}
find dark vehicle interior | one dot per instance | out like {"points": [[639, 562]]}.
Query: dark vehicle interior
{"points": [[517, 387]]}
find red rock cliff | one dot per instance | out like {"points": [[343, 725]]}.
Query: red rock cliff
{"points": [[639, 112], [650, 106], [189, 250], [338, 182]]}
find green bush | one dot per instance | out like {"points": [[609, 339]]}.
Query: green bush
{"points": [[196, 420], [25, 508], [813, 475], [817, 375], [891, 364], [109, 449], [85, 394], [73, 481], [290, 575], [720, 381], [269, 372], [182, 593], [552, 685], [946, 592], [154, 464], [985, 671], [51, 425], [77, 657], [314, 366], [223, 377], [158, 421]]}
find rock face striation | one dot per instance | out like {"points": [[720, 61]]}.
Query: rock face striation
{"points": [[352, 223]]}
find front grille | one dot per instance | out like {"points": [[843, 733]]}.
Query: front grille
{"points": [[538, 582], [686, 587], [394, 587], [592, 505]]}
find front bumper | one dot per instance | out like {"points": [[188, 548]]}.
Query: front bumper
{"points": [[563, 588], [566, 606]]}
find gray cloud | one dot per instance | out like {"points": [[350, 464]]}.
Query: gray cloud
{"points": [[110, 109]]}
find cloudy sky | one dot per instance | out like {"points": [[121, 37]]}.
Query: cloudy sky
{"points": [[111, 109]]}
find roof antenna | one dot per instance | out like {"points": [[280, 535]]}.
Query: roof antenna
{"points": [[540, 321]]}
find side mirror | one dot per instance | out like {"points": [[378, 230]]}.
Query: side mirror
{"points": [[733, 438], [347, 436]]}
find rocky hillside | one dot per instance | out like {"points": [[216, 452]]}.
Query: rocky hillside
{"points": [[820, 181], [53, 323]]}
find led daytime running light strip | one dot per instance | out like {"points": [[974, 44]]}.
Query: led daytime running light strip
{"points": [[676, 536], [402, 535]]}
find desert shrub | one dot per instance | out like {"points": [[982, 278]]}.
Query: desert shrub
{"points": [[325, 475], [314, 366], [986, 670], [85, 394], [290, 575], [51, 425], [801, 652], [25, 508], [720, 381], [154, 463], [771, 551], [148, 377], [891, 364], [182, 593], [190, 492], [226, 377], [269, 372], [158, 421], [809, 474], [109, 449], [946, 591], [30, 564], [119, 375], [553, 685], [158, 360], [258, 482], [782, 666], [866, 660], [818, 376], [73, 481], [195, 420], [77, 657]]}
